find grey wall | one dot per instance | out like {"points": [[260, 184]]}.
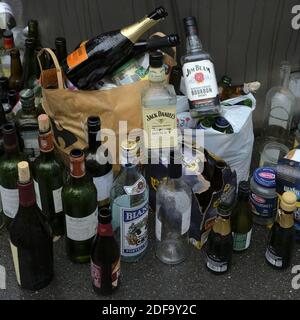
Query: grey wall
{"points": [[247, 38]]}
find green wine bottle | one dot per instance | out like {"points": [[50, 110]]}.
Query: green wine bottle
{"points": [[9, 173], [97, 164], [48, 179], [242, 221], [79, 197]]}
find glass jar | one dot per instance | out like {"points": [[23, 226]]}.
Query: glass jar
{"points": [[272, 152], [263, 197]]}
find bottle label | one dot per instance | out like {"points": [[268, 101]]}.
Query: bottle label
{"points": [[216, 266], [138, 188], [158, 227], [58, 207], [81, 229], [103, 185], [273, 259], [241, 241], [134, 230], [200, 80], [97, 274], [157, 74], [10, 201], [15, 255], [160, 126], [2, 278], [37, 194], [77, 57], [186, 220], [263, 207], [31, 143]]}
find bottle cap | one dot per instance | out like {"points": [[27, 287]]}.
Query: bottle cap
{"points": [[156, 59], [158, 13], [265, 177], [129, 149], [27, 98], [12, 97], [288, 202], [44, 123], [14, 52], [94, 124], [224, 210], [104, 215], [205, 124], [23, 172], [222, 123], [226, 80], [60, 41], [9, 135], [244, 189], [190, 25]]}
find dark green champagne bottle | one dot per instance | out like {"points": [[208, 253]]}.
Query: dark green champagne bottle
{"points": [[33, 32], [9, 173], [97, 164], [242, 220], [30, 238], [105, 257], [220, 243], [79, 197], [61, 49], [282, 236], [48, 179], [101, 55]]}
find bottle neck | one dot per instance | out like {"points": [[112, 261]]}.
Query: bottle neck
{"points": [[105, 229], [11, 150], [285, 219], [193, 43], [77, 169], [16, 66], [285, 73], [222, 226], [157, 76], [26, 194], [135, 31], [46, 143], [93, 143]]}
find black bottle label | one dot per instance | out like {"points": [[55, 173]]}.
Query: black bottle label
{"points": [[216, 265], [273, 259]]}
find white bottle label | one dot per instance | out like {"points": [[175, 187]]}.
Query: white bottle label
{"points": [[273, 259], [241, 241], [37, 194], [186, 220], [0, 203], [200, 80], [134, 230], [15, 255], [103, 185], [138, 188], [81, 229], [216, 266], [160, 127], [10, 201], [58, 207]]}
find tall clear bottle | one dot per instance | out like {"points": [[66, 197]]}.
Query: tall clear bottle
{"points": [[279, 109], [130, 206], [97, 163], [199, 74], [173, 216], [159, 107]]}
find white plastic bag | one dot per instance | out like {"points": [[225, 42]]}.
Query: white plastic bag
{"points": [[236, 149]]}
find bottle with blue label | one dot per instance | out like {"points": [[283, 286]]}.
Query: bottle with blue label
{"points": [[263, 197], [130, 206]]}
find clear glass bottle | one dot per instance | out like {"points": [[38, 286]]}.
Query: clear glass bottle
{"points": [[27, 124], [130, 206], [199, 74], [173, 217], [279, 109], [159, 107]]}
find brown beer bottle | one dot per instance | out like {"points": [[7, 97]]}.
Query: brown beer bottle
{"points": [[16, 71]]}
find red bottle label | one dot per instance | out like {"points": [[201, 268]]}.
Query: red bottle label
{"points": [[46, 142], [97, 274], [105, 230]]}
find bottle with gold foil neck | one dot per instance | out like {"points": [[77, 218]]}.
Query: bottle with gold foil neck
{"points": [[96, 58], [220, 243], [282, 236]]}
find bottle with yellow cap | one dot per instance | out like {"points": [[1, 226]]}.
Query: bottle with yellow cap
{"points": [[129, 204], [30, 238], [282, 236]]}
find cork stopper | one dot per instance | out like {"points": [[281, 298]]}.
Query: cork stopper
{"points": [[288, 202], [44, 123], [23, 172]]}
